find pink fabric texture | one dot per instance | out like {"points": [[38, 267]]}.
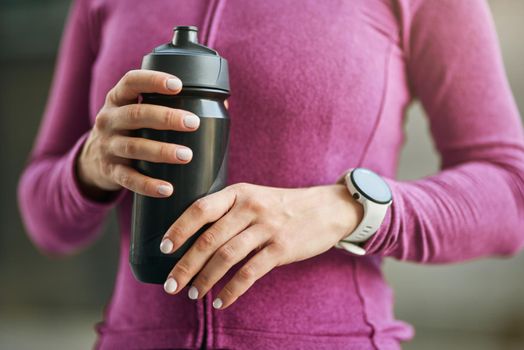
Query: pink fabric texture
{"points": [[317, 87]]}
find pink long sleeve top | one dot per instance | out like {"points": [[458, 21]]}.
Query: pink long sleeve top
{"points": [[317, 87]]}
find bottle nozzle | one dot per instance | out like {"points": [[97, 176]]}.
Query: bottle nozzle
{"points": [[184, 35]]}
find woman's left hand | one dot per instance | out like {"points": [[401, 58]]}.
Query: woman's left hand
{"points": [[282, 225]]}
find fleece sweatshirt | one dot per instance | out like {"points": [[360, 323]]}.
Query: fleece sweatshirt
{"points": [[317, 87]]}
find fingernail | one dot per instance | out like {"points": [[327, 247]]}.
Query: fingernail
{"points": [[217, 303], [192, 293], [184, 153], [166, 246], [174, 84], [170, 285], [191, 121], [165, 190]]}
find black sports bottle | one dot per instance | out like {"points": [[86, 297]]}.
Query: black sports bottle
{"points": [[205, 79]]}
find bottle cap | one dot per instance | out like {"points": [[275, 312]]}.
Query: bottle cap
{"points": [[198, 66]]}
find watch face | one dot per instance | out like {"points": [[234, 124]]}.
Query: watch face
{"points": [[371, 186]]}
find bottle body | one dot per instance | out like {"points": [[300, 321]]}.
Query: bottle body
{"points": [[204, 174]]}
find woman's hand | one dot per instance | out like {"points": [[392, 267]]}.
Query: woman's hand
{"points": [[103, 164], [282, 225]]}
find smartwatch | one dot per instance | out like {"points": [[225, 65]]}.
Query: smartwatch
{"points": [[370, 190]]}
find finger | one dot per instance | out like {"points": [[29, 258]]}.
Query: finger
{"points": [[149, 150], [256, 267], [131, 179], [142, 115], [227, 227], [135, 82], [206, 209], [226, 104], [229, 254]]}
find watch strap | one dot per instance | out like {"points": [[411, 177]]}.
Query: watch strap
{"points": [[372, 219]]}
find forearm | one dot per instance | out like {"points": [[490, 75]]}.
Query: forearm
{"points": [[465, 212], [58, 216]]}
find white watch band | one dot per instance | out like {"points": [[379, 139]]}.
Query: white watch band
{"points": [[373, 217]]}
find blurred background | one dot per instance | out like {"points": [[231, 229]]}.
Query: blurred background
{"points": [[48, 303]]}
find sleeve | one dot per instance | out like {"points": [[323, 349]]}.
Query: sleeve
{"points": [[473, 207], [58, 217]]}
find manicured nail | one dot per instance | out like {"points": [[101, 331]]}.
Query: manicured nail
{"points": [[192, 293], [217, 303], [170, 285], [184, 153], [174, 84], [191, 121], [165, 190], [166, 246]]}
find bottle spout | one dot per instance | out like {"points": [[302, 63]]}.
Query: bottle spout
{"points": [[184, 35]]}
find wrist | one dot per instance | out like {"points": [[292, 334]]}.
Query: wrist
{"points": [[87, 187], [347, 212]]}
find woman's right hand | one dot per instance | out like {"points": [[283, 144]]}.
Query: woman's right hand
{"points": [[104, 162]]}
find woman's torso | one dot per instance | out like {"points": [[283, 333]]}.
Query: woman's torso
{"points": [[317, 87]]}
